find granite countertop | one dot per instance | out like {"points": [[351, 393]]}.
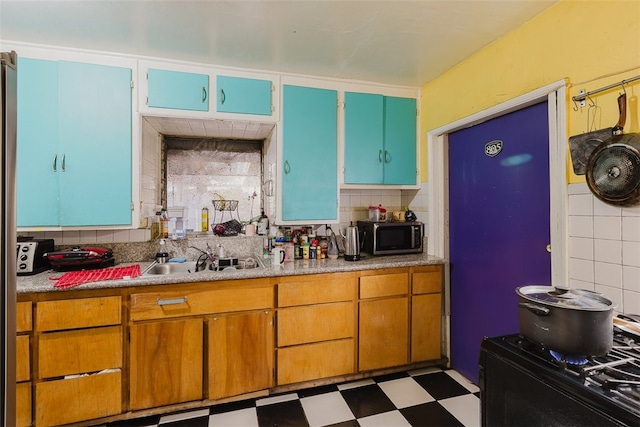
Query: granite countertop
{"points": [[42, 282]]}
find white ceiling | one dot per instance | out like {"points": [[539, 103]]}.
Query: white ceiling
{"points": [[399, 42]]}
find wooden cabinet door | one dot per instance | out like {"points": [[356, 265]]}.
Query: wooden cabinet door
{"points": [[178, 90], [241, 351], [310, 154], [426, 323], [166, 363], [400, 141], [38, 158], [242, 95], [363, 138], [384, 333]]}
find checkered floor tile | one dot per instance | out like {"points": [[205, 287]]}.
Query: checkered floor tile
{"points": [[429, 397]]}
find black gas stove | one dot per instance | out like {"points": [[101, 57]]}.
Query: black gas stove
{"points": [[522, 383]]}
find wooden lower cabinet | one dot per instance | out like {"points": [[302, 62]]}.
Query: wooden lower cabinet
{"points": [[384, 333], [23, 404], [426, 313], [315, 361], [24, 325], [165, 362], [317, 328], [77, 399], [240, 353]]}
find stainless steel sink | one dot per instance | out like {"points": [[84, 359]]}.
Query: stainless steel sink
{"points": [[173, 268], [190, 267]]}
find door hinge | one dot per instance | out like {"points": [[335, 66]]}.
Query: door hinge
{"points": [[417, 112], [147, 74], [147, 100], [131, 84]]}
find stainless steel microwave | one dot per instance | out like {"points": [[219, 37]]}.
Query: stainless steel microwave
{"points": [[391, 238]]}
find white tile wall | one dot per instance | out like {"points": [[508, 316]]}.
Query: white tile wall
{"points": [[604, 248]]}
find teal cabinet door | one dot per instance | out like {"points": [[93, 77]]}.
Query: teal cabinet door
{"points": [[95, 129], [310, 148], [245, 96], [364, 134], [74, 144], [177, 90], [400, 141], [38, 162]]}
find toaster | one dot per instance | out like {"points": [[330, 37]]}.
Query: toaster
{"points": [[30, 255]]}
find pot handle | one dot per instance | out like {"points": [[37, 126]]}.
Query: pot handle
{"points": [[535, 309]]}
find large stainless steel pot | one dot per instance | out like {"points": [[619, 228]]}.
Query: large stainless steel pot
{"points": [[572, 322]]}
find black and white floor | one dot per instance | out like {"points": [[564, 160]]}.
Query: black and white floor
{"points": [[428, 397]]}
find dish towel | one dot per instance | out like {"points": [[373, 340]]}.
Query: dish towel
{"points": [[75, 278]]}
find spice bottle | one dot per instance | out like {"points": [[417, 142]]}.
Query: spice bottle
{"points": [[205, 219]]}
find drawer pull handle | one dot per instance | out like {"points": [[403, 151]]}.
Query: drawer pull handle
{"points": [[171, 301]]}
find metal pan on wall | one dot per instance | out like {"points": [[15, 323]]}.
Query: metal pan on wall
{"points": [[613, 171], [583, 145]]}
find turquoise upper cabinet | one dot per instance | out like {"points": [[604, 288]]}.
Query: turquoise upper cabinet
{"points": [[74, 137], [38, 163], [177, 90], [364, 150], [309, 154], [400, 141], [244, 96], [379, 139]]}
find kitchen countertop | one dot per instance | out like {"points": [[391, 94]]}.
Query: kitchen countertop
{"points": [[42, 282]]}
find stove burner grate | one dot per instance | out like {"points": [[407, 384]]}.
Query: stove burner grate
{"points": [[572, 360]]}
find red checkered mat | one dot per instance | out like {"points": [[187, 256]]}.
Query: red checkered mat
{"points": [[75, 278]]}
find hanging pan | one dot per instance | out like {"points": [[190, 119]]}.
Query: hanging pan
{"points": [[613, 169], [583, 145]]}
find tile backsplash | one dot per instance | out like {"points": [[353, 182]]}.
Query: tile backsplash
{"points": [[354, 206], [604, 248]]}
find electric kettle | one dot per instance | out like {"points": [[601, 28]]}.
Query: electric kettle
{"points": [[351, 243]]}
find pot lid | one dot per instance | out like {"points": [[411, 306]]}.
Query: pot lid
{"points": [[577, 299]]}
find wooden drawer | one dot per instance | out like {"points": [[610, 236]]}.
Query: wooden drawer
{"points": [[81, 351], [23, 366], [384, 284], [78, 313], [315, 361], [24, 318], [23, 404], [426, 280], [316, 289], [78, 399], [299, 325], [194, 301]]}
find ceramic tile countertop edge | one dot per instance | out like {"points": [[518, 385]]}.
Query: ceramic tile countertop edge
{"points": [[43, 282]]}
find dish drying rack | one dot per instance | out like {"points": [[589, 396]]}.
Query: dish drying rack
{"points": [[233, 226]]}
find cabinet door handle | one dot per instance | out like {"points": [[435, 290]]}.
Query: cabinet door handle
{"points": [[379, 156], [222, 97], [171, 301], [387, 156], [204, 93], [63, 163], [287, 168], [55, 162]]}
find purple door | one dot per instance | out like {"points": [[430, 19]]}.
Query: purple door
{"points": [[498, 226]]}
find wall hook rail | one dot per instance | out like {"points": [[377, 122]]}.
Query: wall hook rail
{"points": [[582, 96]]}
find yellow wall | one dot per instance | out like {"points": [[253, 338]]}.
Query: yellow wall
{"points": [[577, 40]]}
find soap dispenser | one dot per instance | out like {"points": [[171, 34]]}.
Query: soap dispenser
{"points": [[162, 255]]}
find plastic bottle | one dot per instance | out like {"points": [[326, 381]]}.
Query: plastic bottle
{"points": [[162, 255], [205, 219], [156, 226]]}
